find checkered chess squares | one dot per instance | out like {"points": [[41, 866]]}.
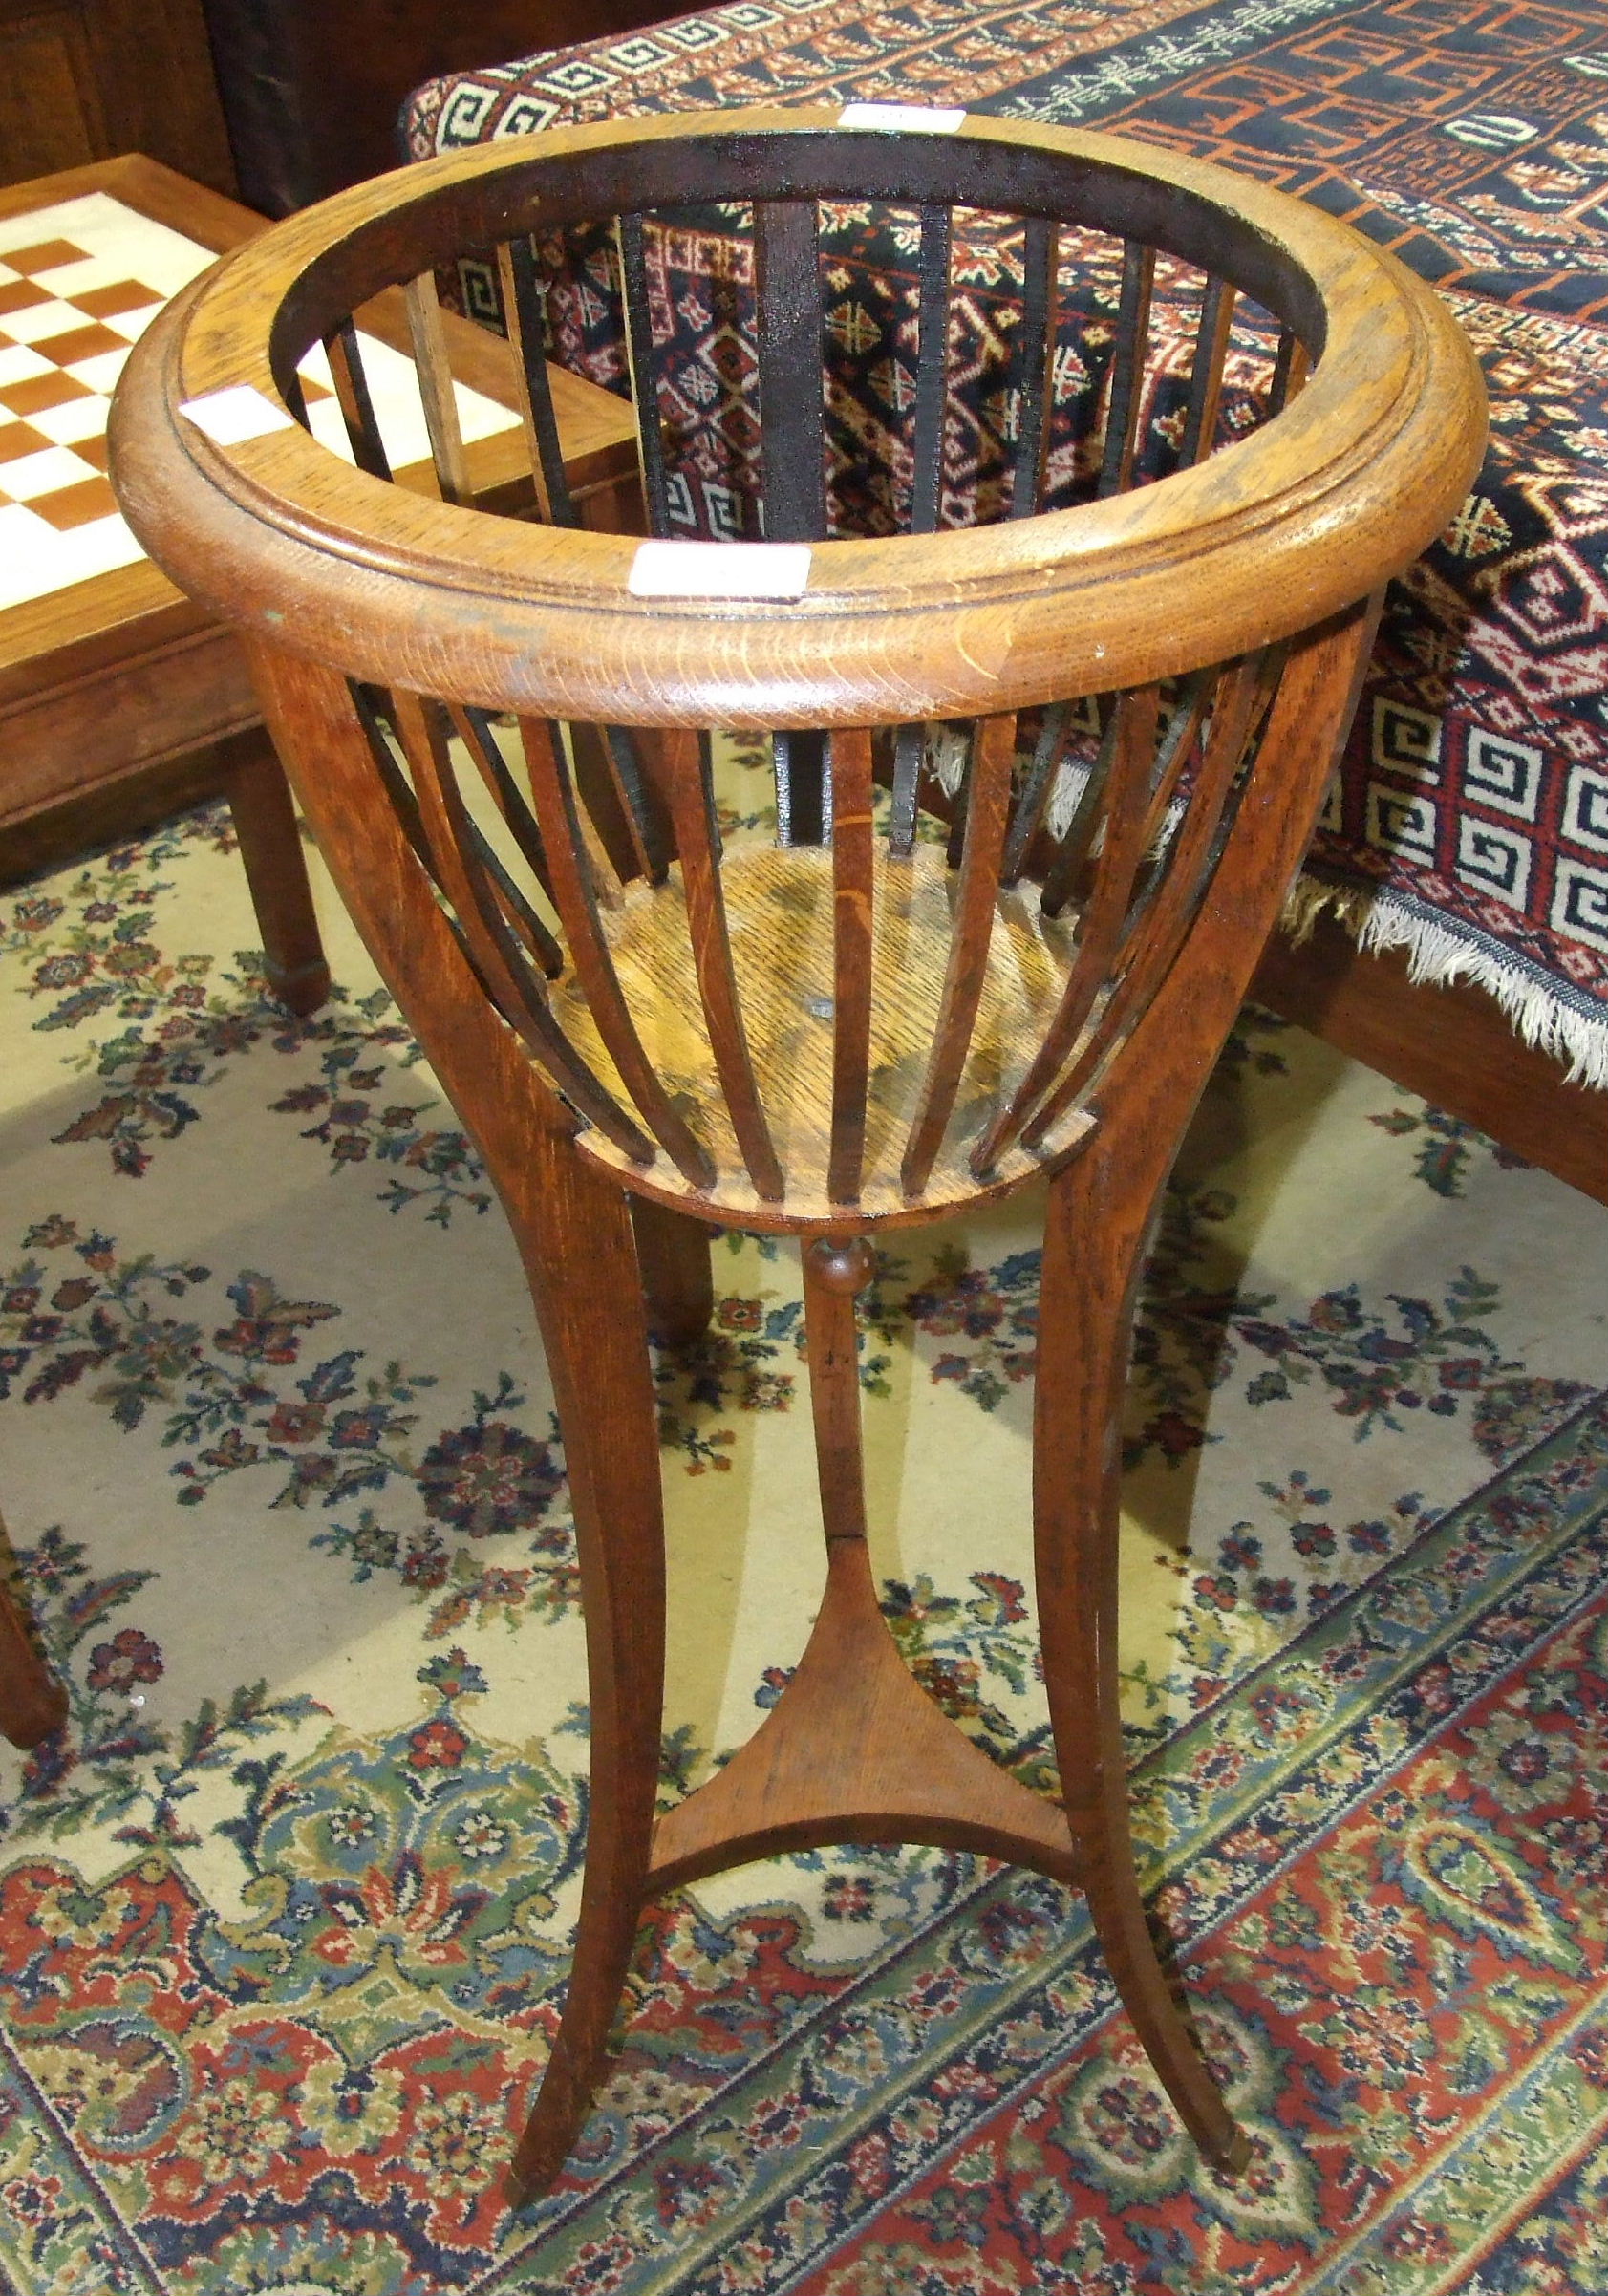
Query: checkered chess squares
{"points": [[79, 282]]}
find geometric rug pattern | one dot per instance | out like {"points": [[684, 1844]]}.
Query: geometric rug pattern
{"points": [[1471, 820]]}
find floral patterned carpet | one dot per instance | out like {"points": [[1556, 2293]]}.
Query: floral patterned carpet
{"points": [[284, 1912]]}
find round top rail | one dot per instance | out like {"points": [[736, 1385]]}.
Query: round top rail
{"points": [[1360, 469]]}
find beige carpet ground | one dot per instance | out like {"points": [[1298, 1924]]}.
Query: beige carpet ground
{"points": [[278, 1461]]}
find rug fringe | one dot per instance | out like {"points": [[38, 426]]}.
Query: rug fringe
{"points": [[1439, 953]]}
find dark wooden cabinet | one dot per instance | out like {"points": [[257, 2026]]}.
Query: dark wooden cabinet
{"points": [[312, 87], [85, 80], [310, 90]]}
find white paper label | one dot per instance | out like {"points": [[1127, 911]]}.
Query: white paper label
{"points": [[719, 569], [899, 118], [238, 412]]}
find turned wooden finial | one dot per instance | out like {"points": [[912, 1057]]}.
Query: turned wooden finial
{"points": [[841, 1263]]}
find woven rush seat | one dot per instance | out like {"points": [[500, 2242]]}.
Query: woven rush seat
{"points": [[1039, 784], [789, 1019]]}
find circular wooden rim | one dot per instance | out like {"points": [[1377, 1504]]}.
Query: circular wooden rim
{"points": [[1343, 487]]}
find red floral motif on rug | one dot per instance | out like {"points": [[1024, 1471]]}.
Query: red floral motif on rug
{"points": [[1382, 1858]]}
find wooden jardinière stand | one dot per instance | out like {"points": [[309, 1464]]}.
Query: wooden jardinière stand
{"points": [[504, 750]]}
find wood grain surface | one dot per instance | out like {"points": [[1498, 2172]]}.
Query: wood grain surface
{"points": [[1125, 714], [1362, 468]]}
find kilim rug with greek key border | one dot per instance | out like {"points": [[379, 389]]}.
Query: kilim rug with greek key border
{"points": [[1470, 822]]}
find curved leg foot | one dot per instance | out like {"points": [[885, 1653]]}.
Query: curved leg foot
{"points": [[1093, 1236], [1100, 1208], [580, 1251], [574, 1234]]}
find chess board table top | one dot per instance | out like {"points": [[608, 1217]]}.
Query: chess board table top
{"points": [[70, 630], [104, 665]]}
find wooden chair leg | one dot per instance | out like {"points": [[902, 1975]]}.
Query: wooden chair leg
{"points": [[1093, 1247], [576, 1235], [271, 847], [32, 1702], [675, 1271]]}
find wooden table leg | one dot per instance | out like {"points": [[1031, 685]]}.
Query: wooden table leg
{"points": [[677, 1276], [271, 847]]}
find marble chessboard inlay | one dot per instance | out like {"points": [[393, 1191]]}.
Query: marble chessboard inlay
{"points": [[79, 282]]}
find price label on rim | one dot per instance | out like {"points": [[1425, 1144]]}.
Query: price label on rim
{"points": [[719, 569], [899, 118]]}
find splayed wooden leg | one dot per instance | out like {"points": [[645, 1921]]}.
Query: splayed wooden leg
{"points": [[1090, 1269], [581, 1254]]}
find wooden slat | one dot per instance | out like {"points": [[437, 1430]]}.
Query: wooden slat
{"points": [[597, 791], [792, 451], [852, 920], [1177, 747], [1128, 368], [521, 313], [524, 919], [405, 806], [1101, 926], [608, 886], [576, 901], [932, 402], [960, 805], [931, 372], [643, 827], [397, 789], [1035, 362], [690, 795], [516, 908], [497, 957], [620, 821], [1243, 696], [993, 752], [1055, 731], [910, 749], [295, 398], [474, 729], [1205, 376], [436, 389], [352, 395], [644, 369], [1290, 369], [792, 404], [1067, 867]]}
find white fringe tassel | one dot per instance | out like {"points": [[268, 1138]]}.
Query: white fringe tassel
{"points": [[1070, 783], [1436, 952], [947, 751]]}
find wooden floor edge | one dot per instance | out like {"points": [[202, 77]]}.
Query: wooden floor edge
{"points": [[1450, 1043]]}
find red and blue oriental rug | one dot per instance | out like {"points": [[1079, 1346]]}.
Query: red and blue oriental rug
{"points": [[284, 1910]]}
